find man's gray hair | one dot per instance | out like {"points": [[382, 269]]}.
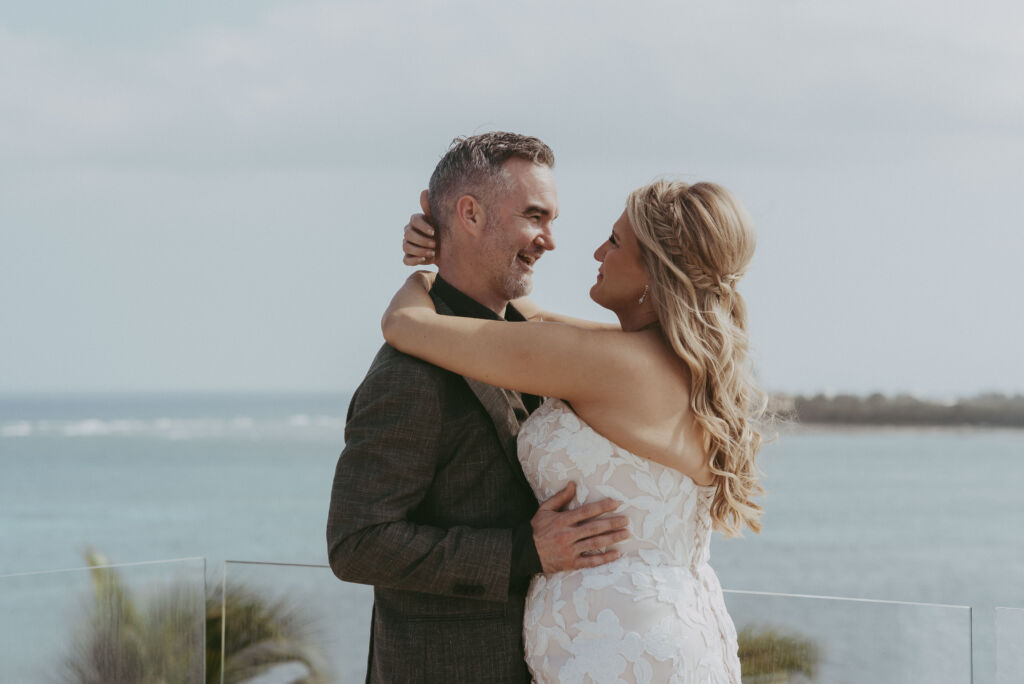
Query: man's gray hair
{"points": [[473, 166]]}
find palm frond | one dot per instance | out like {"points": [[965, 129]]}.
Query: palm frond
{"points": [[122, 640]]}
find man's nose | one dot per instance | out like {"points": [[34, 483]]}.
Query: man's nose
{"points": [[545, 240]]}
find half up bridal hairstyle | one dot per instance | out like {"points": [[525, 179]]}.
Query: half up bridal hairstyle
{"points": [[697, 241]]}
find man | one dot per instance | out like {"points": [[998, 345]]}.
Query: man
{"points": [[429, 502]]}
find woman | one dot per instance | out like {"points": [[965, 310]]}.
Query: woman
{"points": [[658, 415]]}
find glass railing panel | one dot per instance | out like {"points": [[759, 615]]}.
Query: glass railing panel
{"points": [[287, 623], [790, 638], [117, 624], [323, 626], [1009, 645]]}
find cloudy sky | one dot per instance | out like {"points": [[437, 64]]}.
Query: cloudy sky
{"points": [[210, 195]]}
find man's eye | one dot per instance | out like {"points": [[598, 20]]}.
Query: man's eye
{"points": [[611, 239]]}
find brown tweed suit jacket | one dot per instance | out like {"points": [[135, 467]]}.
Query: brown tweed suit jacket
{"points": [[426, 495]]}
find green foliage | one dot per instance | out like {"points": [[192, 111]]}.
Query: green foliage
{"points": [[771, 657], [122, 640], [261, 634]]}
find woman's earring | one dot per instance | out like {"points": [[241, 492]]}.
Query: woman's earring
{"points": [[643, 297]]}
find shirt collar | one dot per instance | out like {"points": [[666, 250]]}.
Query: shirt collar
{"points": [[463, 305]]}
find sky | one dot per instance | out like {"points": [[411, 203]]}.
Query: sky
{"points": [[210, 196]]}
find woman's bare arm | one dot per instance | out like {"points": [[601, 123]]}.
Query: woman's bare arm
{"points": [[544, 358], [532, 312]]}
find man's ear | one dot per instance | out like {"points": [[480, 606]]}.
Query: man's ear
{"points": [[425, 204], [469, 214]]}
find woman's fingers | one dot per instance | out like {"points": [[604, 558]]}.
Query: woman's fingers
{"points": [[417, 238], [422, 225], [416, 261], [418, 246]]}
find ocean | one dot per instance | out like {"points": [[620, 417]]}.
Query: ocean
{"points": [[911, 515]]}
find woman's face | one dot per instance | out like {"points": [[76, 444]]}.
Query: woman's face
{"points": [[621, 277]]}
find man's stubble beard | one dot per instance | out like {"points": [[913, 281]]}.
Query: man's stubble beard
{"points": [[511, 283], [517, 286]]}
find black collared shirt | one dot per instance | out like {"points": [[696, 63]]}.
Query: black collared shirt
{"points": [[463, 305], [525, 561]]}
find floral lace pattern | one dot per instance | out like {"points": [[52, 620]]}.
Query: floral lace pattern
{"points": [[654, 615]]}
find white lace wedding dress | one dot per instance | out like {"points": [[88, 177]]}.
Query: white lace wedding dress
{"points": [[654, 615]]}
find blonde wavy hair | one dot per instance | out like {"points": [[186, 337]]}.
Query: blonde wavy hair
{"points": [[697, 241]]}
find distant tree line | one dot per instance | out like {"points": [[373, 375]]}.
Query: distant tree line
{"points": [[994, 410]]}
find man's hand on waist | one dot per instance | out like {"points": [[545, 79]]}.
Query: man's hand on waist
{"points": [[578, 538]]}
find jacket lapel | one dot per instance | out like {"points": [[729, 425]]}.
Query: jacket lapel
{"points": [[498, 404], [501, 405]]}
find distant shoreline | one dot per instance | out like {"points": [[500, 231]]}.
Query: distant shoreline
{"points": [[782, 430], [985, 411]]}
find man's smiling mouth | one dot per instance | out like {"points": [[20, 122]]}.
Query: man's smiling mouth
{"points": [[528, 259]]}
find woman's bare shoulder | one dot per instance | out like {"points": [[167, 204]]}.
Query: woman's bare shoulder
{"points": [[650, 414]]}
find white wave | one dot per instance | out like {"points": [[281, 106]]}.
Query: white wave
{"points": [[320, 421], [20, 429], [103, 427], [296, 426], [329, 422]]}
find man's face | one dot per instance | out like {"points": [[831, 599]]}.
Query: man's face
{"points": [[518, 227]]}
